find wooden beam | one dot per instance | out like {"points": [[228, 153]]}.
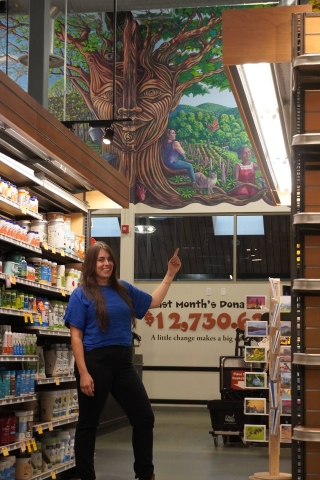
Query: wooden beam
{"points": [[31, 120], [258, 35]]}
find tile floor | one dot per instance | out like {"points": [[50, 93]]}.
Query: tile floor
{"points": [[184, 450]]}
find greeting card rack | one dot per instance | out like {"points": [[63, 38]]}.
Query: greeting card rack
{"points": [[274, 388]]}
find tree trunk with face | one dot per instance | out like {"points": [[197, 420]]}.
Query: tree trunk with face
{"points": [[148, 89]]}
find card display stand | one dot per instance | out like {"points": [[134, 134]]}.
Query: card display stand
{"points": [[274, 389]]}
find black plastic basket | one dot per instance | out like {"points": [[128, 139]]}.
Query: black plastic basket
{"points": [[226, 415]]}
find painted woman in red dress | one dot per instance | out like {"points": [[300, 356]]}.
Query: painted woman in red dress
{"points": [[245, 172]]}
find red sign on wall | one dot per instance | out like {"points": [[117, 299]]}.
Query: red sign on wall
{"points": [[237, 379]]}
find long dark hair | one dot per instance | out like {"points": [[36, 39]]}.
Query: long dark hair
{"points": [[166, 135], [93, 291]]}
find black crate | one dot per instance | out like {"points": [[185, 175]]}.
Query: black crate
{"points": [[226, 415]]}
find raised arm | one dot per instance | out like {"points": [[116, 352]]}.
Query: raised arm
{"points": [[161, 291]]}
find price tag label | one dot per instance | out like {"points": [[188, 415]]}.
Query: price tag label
{"points": [[53, 475], [53, 249], [50, 426], [31, 318], [62, 253], [39, 316], [5, 451], [45, 245], [29, 446], [23, 447], [24, 209], [57, 381], [34, 445], [12, 280], [40, 431], [63, 293], [25, 317]]}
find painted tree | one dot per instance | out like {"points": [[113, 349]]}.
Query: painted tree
{"points": [[158, 60]]}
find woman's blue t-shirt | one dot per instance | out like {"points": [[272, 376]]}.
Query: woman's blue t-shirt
{"points": [[80, 313]]}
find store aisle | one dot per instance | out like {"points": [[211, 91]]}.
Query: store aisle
{"points": [[184, 450]]}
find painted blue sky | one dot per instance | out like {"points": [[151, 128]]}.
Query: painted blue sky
{"points": [[224, 98]]}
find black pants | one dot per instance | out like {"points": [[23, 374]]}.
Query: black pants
{"points": [[112, 371]]}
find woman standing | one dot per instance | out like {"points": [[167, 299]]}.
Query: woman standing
{"points": [[100, 315]]}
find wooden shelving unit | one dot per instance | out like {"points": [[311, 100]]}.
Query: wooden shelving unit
{"points": [[305, 255]]}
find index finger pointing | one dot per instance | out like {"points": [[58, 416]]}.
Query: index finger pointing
{"points": [[176, 252]]}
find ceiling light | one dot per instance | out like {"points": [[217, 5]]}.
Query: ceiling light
{"points": [[52, 187], [261, 96], [144, 229], [108, 136], [19, 167]]}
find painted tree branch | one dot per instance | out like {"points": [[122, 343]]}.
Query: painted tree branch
{"points": [[162, 55]]}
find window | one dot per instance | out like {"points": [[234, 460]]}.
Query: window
{"points": [[204, 255], [107, 229], [265, 252], [207, 247]]}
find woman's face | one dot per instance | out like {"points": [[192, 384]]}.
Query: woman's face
{"points": [[245, 155], [172, 135], [104, 267]]}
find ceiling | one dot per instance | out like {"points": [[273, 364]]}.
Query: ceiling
{"points": [[81, 6], [25, 153]]}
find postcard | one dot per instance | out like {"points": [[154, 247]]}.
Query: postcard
{"points": [[285, 404], [285, 432], [254, 433], [285, 303], [285, 353], [285, 379], [285, 365], [255, 406], [256, 302], [285, 328], [255, 380], [255, 354], [256, 328]]}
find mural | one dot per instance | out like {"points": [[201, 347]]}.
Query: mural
{"points": [[173, 152]]}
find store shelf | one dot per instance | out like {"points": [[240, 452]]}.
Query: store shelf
{"points": [[18, 358], [306, 285], [52, 333], [307, 140], [35, 285], [12, 446], [311, 359], [21, 399], [307, 223], [55, 423], [308, 66], [59, 254], [56, 380], [26, 246], [15, 312], [306, 434], [306, 218], [56, 470], [15, 209]]}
